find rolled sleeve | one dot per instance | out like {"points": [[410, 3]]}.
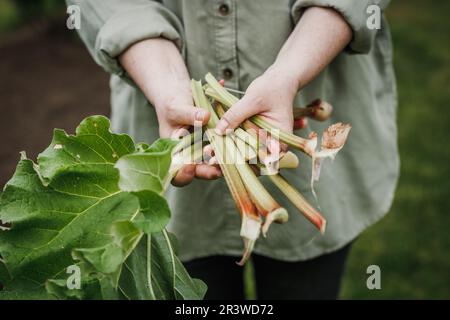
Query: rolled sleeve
{"points": [[354, 12], [108, 28]]}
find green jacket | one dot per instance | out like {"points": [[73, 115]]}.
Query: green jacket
{"points": [[240, 39]]}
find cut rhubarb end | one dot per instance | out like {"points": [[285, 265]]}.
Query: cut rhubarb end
{"points": [[251, 226], [322, 110], [300, 202], [335, 136], [323, 227], [250, 231], [333, 140], [318, 110], [300, 123], [279, 215], [306, 145], [289, 160], [248, 249], [271, 164]]}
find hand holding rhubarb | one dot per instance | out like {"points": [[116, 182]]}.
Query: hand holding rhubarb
{"points": [[270, 96], [157, 67]]}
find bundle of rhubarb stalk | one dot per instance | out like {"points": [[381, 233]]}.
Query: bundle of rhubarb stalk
{"points": [[244, 153]]}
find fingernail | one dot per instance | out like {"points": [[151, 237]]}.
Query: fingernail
{"points": [[200, 115], [222, 125]]}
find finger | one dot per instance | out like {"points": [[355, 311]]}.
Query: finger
{"points": [[184, 176], [207, 172], [234, 116], [180, 133], [188, 115]]}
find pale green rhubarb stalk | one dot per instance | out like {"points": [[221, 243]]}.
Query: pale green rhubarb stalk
{"points": [[300, 202], [245, 147], [186, 141], [264, 202], [287, 160], [251, 221], [271, 162], [183, 155], [227, 99], [291, 193]]}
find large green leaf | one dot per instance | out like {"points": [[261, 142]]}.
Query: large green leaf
{"points": [[160, 274], [48, 222], [72, 208], [146, 170], [93, 144]]}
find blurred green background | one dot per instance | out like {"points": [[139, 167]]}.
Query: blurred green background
{"points": [[14, 13], [411, 245]]}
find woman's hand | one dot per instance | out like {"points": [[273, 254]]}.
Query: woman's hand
{"points": [[271, 95], [158, 69]]}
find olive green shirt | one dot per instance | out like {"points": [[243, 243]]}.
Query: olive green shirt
{"points": [[239, 39]]}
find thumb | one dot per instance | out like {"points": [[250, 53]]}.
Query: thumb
{"points": [[238, 112], [189, 115]]}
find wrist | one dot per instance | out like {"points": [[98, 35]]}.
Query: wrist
{"points": [[284, 77], [169, 94]]}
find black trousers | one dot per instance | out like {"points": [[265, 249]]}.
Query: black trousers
{"points": [[318, 278]]}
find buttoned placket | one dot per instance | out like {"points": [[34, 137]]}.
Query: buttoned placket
{"points": [[225, 42], [224, 28]]}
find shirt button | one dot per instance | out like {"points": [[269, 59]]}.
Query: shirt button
{"points": [[224, 9], [227, 73]]}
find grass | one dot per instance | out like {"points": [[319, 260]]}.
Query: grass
{"points": [[411, 245]]}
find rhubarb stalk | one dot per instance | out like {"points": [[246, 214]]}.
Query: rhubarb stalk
{"points": [[227, 99], [319, 110], [251, 222], [271, 163], [262, 199], [300, 202]]}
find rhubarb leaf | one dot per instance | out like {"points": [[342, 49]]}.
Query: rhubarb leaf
{"points": [[93, 144], [160, 274], [154, 212], [146, 170], [69, 209], [48, 222]]}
